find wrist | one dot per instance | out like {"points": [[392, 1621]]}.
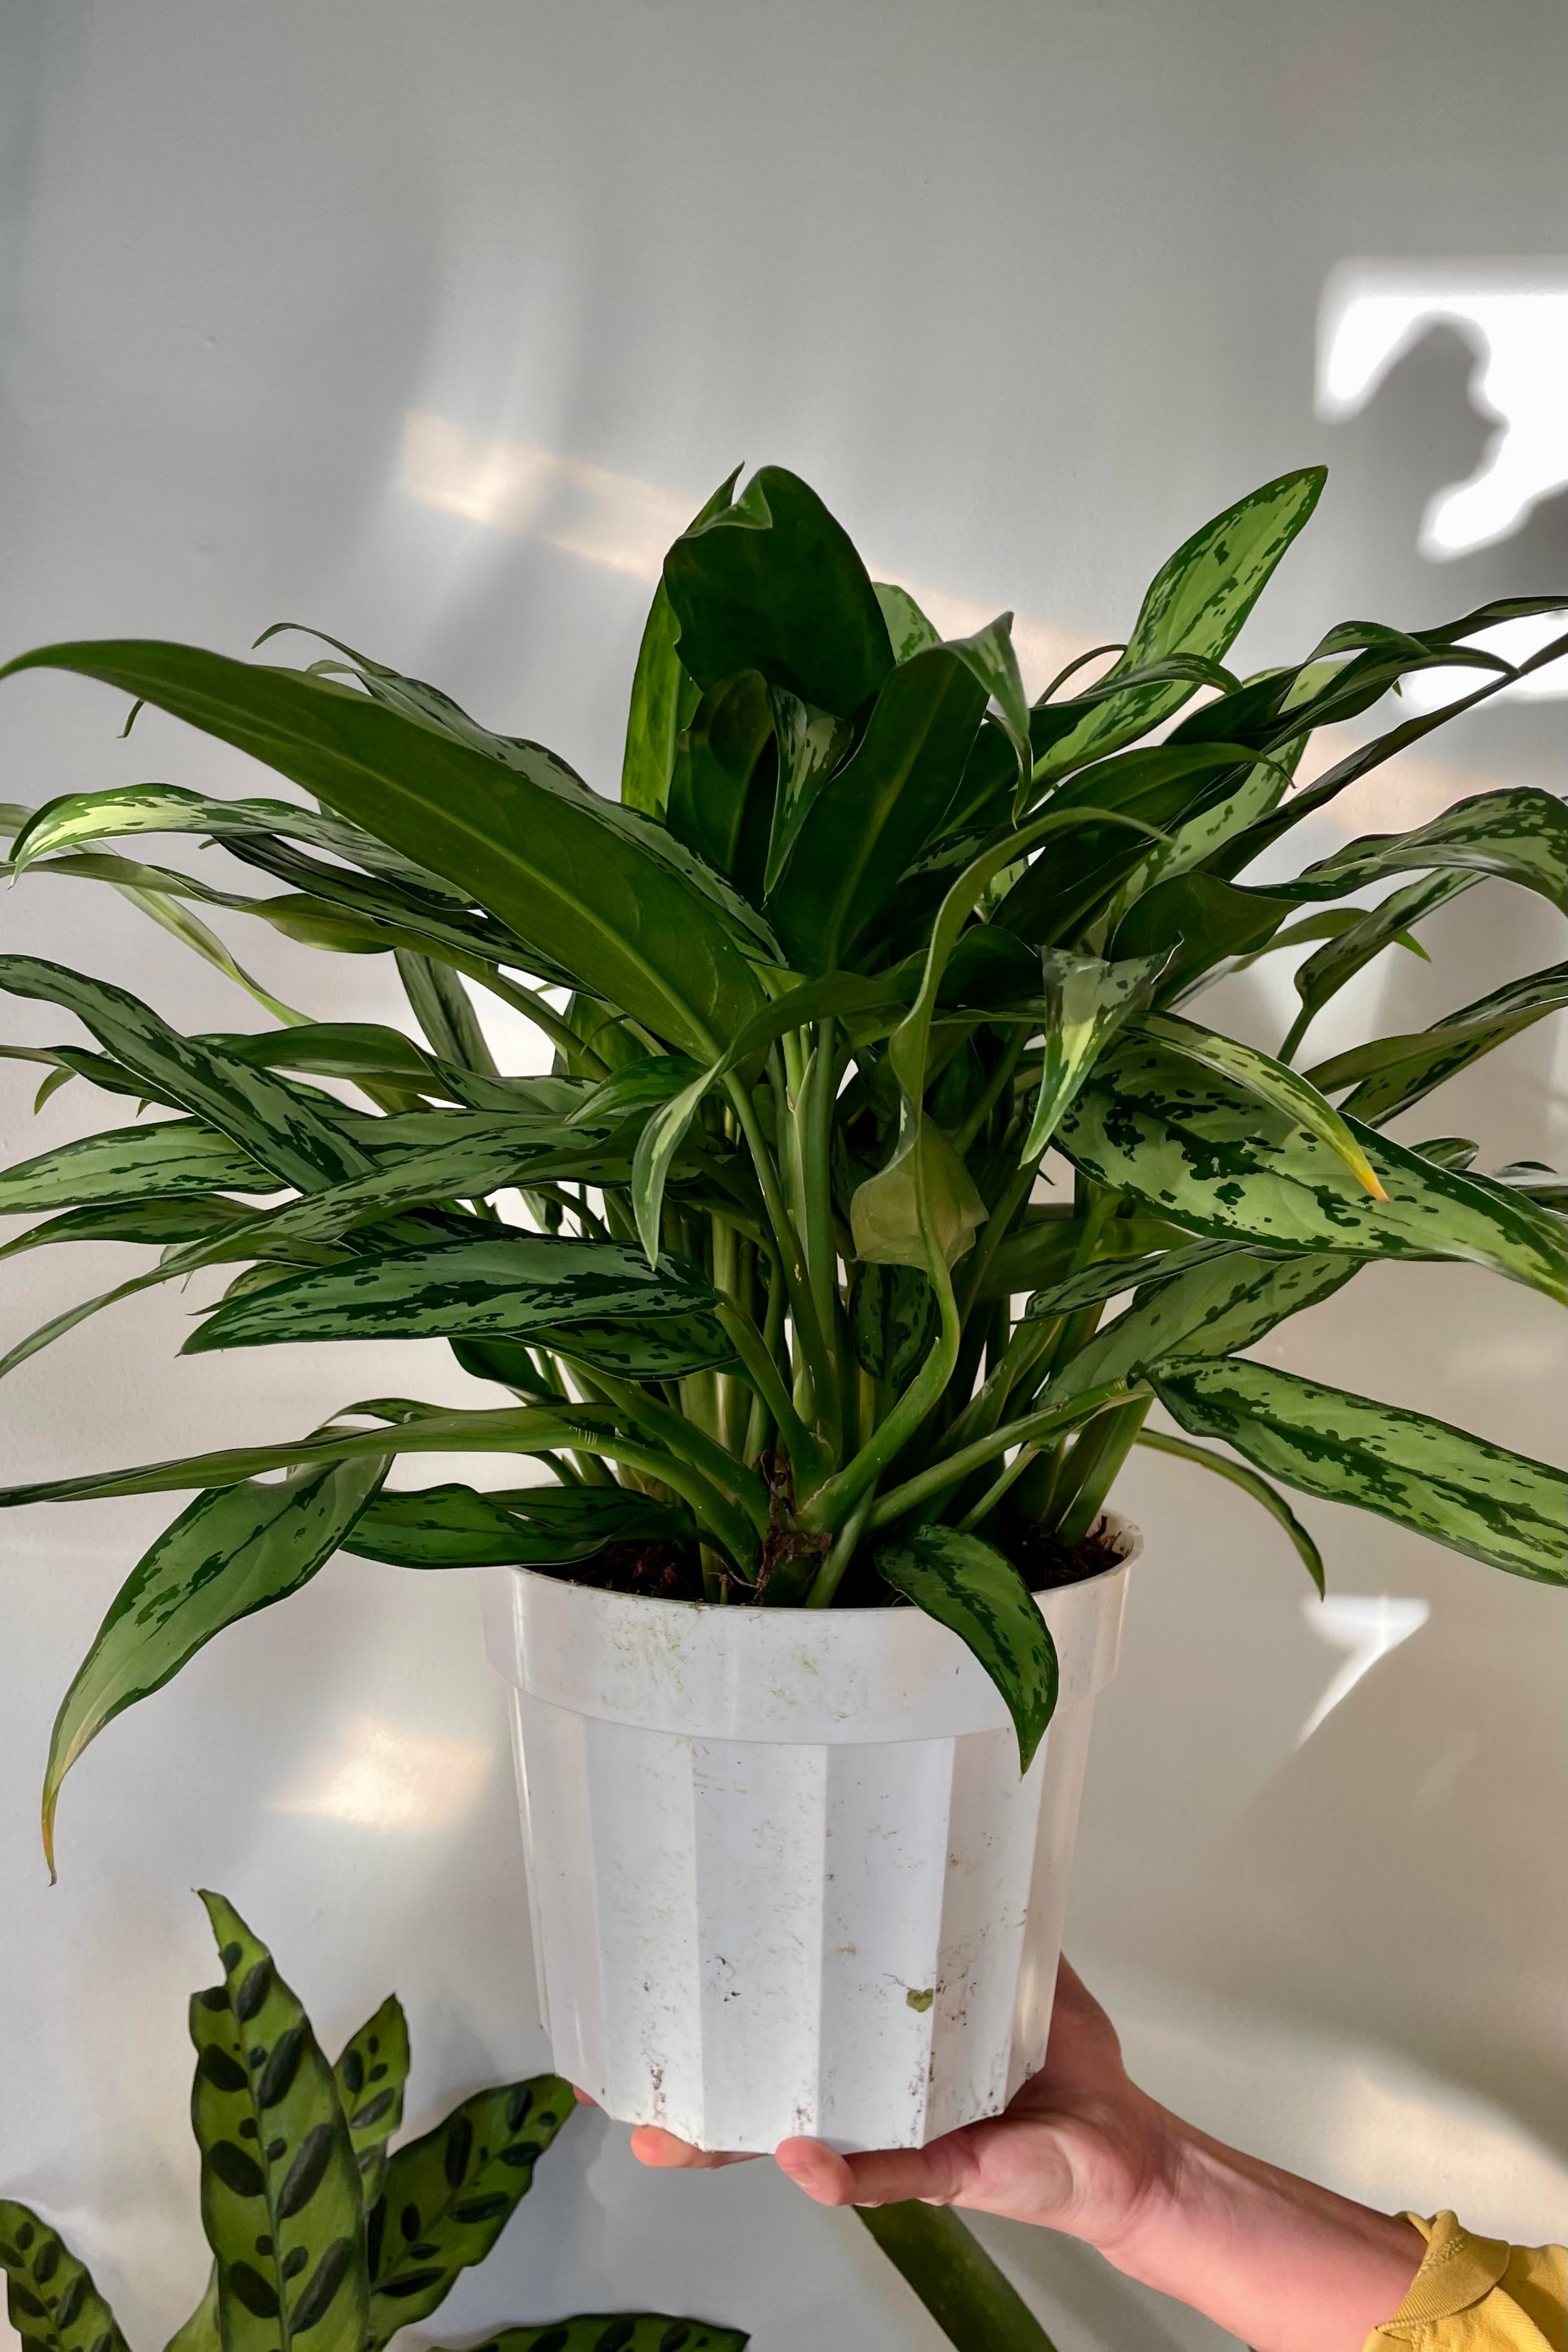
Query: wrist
{"points": [[1282, 2264]]}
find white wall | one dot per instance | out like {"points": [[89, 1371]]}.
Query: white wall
{"points": [[1028, 291]]}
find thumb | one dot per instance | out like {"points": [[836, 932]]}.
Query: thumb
{"points": [[884, 2177]]}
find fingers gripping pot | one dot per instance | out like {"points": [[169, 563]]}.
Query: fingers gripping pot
{"points": [[784, 1875]]}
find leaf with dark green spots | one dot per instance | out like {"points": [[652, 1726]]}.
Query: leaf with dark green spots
{"points": [[618, 2331], [265, 1115], [771, 583], [876, 813], [602, 893], [1195, 604], [370, 2073], [229, 1553], [664, 693], [280, 2187], [723, 783], [523, 1526], [909, 631], [1389, 1074], [1236, 1474], [1104, 1278], [1321, 976], [972, 1589], [154, 1222], [1521, 834], [667, 1349], [1277, 1087], [1199, 1150], [510, 1284], [447, 2195], [1085, 1002], [51, 2300], [1227, 1301], [176, 1158], [1043, 1250], [1474, 1497], [894, 1320]]}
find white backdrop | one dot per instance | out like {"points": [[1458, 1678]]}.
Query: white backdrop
{"points": [[430, 324]]}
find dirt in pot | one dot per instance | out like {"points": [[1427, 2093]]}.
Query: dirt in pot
{"points": [[648, 1571], [1044, 1564]]}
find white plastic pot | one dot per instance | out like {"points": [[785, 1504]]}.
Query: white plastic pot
{"points": [[784, 1875]]}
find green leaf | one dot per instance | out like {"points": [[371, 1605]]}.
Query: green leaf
{"points": [[51, 2300], [1105, 1278], [154, 1222], [1085, 1002], [1237, 1475], [772, 584], [967, 2295], [601, 891], [267, 1117], [663, 694], [1364, 937], [229, 1553], [875, 817], [1201, 1150], [1195, 603], [617, 2331], [924, 1199], [666, 1349], [280, 2188], [523, 1526], [1196, 920], [1519, 834], [510, 1283], [969, 1587], [1213, 1307], [1474, 1497], [1277, 1087], [448, 2197], [894, 1318], [372, 2074], [810, 745], [723, 783], [440, 1005], [1389, 1074], [990, 655], [908, 629], [170, 1161], [201, 2332], [1043, 1248]]}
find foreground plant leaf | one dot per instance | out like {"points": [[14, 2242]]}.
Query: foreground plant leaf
{"points": [[977, 1593], [448, 2196], [1500, 1508], [520, 1527], [228, 1554], [51, 2298], [1086, 1000], [1216, 1307], [280, 2188], [371, 2075], [1236, 1474], [1390, 1073], [617, 2331], [1520, 834]]}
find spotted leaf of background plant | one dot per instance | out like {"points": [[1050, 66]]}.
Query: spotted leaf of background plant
{"points": [[372, 2074], [617, 2331], [51, 2298]]}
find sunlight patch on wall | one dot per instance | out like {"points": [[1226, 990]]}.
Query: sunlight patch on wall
{"points": [[1368, 1625], [377, 1775]]}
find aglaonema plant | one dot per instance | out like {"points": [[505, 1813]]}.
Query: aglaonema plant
{"points": [[771, 1292], [323, 2236]]}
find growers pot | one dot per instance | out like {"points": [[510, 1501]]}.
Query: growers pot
{"points": [[784, 1875]]}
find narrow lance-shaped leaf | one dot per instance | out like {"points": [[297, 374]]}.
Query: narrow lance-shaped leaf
{"points": [[1520, 834], [527, 1526], [894, 1318], [1215, 1307], [812, 743], [51, 2298], [599, 889], [156, 1222], [969, 1587], [618, 2331], [280, 2190], [1389, 1074], [372, 2074], [1198, 1148], [448, 2196], [1086, 1002], [1281, 1088], [1108, 1278], [229, 1553], [1322, 975], [1236, 1474], [1478, 1498]]}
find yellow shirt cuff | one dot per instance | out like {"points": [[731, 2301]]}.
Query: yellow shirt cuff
{"points": [[1478, 2294]]}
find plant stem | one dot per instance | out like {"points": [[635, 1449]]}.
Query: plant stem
{"points": [[811, 1459], [943, 1474], [975, 2304], [996, 1489], [688, 1443], [803, 1305], [1296, 1031], [831, 1506], [1109, 1443], [830, 1574]]}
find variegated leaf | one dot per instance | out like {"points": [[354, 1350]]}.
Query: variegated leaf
{"points": [[977, 1593], [51, 2298], [370, 2073]]}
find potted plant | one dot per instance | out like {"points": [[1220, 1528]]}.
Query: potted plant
{"points": [[830, 1389], [319, 2229]]}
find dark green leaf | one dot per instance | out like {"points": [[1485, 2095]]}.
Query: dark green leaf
{"points": [[440, 1005], [968, 2295], [1520, 834], [1236, 1474], [1215, 1307], [600, 890], [1085, 1002], [663, 694], [51, 2300], [1042, 1249], [229, 1553], [510, 1283], [1365, 936], [1105, 1278], [525, 1527], [448, 2196], [280, 2188], [1473, 1496], [1391, 1073], [155, 1221], [723, 783], [894, 1320], [371, 2075], [617, 2331], [772, 584], [969, 1587], [876, 815], [1199, 1150], [1197, 920]]}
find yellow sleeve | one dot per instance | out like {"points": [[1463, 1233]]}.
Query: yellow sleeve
{"points": [[1476, 2295]]}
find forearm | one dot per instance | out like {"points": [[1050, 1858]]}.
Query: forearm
{"points": [[1281, 2263]]}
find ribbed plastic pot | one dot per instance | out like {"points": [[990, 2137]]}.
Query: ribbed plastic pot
{"points": [[784, 1875]]}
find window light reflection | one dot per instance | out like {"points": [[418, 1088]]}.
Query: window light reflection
{"points": [[378, 1774]]}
